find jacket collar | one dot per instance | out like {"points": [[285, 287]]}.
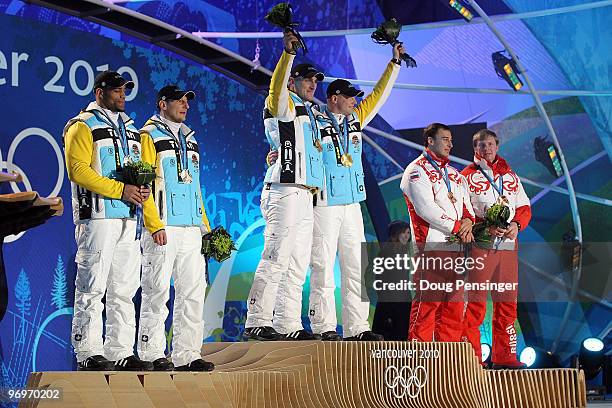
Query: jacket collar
{"points": [[155, 120], [498, 166], [442, 161], [94, 106]]}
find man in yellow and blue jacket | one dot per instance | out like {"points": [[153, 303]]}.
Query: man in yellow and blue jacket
{"points": [[338, 222], [275, 299], [175, 221], [98, 143]]}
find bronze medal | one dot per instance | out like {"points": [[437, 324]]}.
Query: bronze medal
{"points": [[346, 160], [502, 200], [318, 145]]}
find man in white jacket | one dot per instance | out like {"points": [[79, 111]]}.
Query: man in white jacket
{"points": [[491, 180], [439, 206]]}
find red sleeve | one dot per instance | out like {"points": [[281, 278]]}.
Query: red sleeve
{"points": [[468, 214], [523, 216]]}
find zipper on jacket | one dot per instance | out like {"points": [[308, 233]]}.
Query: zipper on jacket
{"points": [[161, 205], [300, 163]]}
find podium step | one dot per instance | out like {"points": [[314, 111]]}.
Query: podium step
{"points": [[325, 374]]}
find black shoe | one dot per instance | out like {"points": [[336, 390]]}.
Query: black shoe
{"points": [[197, 365], [299, 335], [133, 363], [366, 336], [163, 364], [96, 363], [510, 365], [263, 333], [331, 335]]}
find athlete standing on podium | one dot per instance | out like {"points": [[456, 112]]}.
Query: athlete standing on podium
{"points": [[439, 206], [491, 181], [98, 143], [171, 247], [275, 299], [338, 222]]}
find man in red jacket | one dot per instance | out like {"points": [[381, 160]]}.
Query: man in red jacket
{"points": [[491, 180], [439, 207]]}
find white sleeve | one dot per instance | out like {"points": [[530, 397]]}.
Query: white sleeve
{"points": [[416, 187]]}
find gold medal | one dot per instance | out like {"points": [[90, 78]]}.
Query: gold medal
{"points": [[451, 197], [346, 160], [318, 145]]}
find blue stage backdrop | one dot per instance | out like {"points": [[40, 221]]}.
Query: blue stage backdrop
{"points": [[48, 62]]}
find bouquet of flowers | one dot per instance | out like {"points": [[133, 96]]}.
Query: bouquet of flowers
{"points": [[281, 16], [496, 217], [387, 33], [138, 173], [217, 244]]}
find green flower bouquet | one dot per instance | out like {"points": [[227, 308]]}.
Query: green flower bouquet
{"points": [[497, 217], [217, 244], [138, 173], [281, 16], [387, 33]]}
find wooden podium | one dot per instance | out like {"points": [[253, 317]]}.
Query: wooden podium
{"points": [[324, 374]]}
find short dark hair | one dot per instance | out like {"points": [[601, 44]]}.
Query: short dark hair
{"points": [[482, 134], [395, 228], [432, 130]]}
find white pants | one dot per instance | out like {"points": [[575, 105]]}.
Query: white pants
{"points": [[108, 261], [280, 275], [338, 228], [182, 260]]}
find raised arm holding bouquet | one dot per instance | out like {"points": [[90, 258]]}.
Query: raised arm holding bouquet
{"points": [[281, 16], [275, 299], [387, 33]]}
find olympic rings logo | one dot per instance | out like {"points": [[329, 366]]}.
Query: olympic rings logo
{"points": [[10, 165], [405, 381]]}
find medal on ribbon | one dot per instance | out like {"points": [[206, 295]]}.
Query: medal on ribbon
{"points": [[186, 176], [501, 198], [444, 175], [343, 140], [316, 142], [346, 160]]}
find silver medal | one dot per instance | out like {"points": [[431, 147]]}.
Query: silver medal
{"points": [[186, 176]]}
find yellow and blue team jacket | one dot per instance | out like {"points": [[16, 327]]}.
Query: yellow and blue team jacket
{"points": [[289, 130], [172, 202], [345, 185], [94, 156]]}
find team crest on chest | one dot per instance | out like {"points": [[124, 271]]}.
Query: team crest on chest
{"points": [[355, 141], [135, 150], [194, 160]]}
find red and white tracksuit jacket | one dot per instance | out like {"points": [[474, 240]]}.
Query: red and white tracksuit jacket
{"points": [[434, 217], [501, 264]]}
